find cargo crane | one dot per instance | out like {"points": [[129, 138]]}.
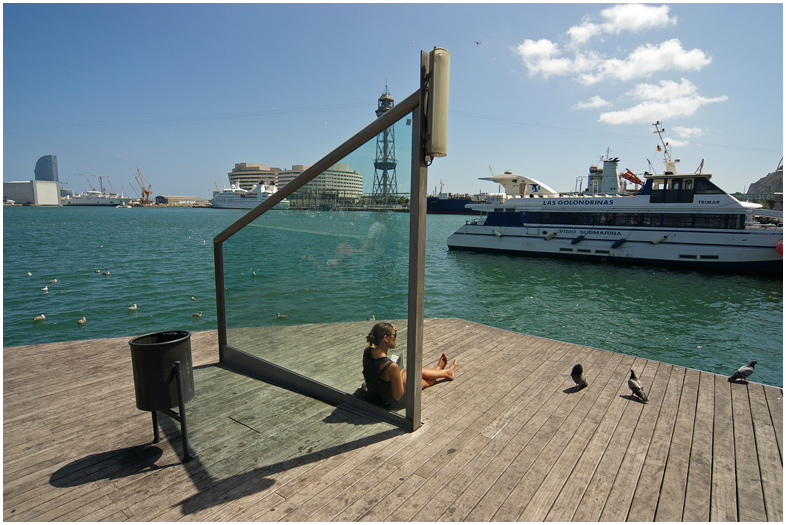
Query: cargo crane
{"points": [[146, 191]]}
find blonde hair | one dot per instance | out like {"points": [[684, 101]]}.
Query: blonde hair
{"points": [[379, 331]]}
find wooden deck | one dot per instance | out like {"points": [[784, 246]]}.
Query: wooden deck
{"points": [[507, 440]]}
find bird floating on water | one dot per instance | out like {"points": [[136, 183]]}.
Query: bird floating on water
{"points": [[372, 318], [132, 307], [282, 316], [743, 373], [83, 320], [45, 289], [635, 386], [197, 314], [577, 374], [106, 272], [52, 281], [98, 271], [29, 274], [41, 317], [193, 298]]}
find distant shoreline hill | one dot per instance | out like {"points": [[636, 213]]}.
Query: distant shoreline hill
{"points": [[771, 183]]}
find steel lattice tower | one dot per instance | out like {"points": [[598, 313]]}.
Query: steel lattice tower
{"points": [[385, 185]]}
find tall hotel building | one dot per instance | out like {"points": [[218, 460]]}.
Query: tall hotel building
{"points": [[46, 168]]}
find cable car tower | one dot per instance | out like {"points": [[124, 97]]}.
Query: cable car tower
{"points": [[385, 186]]}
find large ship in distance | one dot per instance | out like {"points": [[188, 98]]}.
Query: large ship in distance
{"points": [[96, 198], [668, 219], [235, 197]]}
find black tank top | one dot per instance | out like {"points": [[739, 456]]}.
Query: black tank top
{"points": [[378, 388]]}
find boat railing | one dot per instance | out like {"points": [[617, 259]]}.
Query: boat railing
{"points": [[380, 253]]}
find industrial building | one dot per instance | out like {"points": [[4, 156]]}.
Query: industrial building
{"points": [[32, 192]]}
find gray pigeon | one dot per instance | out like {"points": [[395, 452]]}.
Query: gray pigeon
{"points": [[636, 388], [743, 373], [577, 374]]}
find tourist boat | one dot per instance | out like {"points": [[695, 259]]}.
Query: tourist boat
{"points": [[667, 219], [96, 198], [236, 197]]}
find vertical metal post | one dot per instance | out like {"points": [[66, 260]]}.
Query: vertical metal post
{"points": [[417, 254], [156, 437], [182, 415], [221, 309]]}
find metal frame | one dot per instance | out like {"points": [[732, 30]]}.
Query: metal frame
{"points": [[272, 373]]}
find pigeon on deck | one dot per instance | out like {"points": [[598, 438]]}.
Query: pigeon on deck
{"points": [[635, 386], [743, 373], [577, 374]]}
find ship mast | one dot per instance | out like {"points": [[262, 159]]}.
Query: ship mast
{"points": [[671, 165]]}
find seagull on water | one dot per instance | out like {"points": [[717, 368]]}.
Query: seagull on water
{"points": [[281, 316], [29, 274], [197, 314], [52, 281], [132, 307], [45, 289], [41, 317], [635, 386], [83, 320], [743, 373]]}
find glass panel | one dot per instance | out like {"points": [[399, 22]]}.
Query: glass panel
{"points": [[304, 286]]}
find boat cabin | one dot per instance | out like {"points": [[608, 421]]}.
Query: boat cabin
{"points": [[671, 188]]}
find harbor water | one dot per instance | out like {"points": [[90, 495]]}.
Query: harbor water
{"points": [[161, 259]]}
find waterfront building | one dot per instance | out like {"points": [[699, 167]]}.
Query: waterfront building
{"points": [[181, 201], [246, 174], [46, 168], [32, 192], [338, 181]]}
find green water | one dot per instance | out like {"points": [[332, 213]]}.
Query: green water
{"points": [[321, 267]]}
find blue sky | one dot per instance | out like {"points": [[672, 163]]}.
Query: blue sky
{"points": [[185, 91]]}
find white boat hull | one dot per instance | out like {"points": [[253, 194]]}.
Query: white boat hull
{"points": [[747, 250], [246, 204]]}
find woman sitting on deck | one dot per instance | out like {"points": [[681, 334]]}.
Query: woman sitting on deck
{"points": [[384, 380]]}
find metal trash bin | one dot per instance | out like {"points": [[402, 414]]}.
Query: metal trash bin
{"points": [[153, 358], [164, 377]]}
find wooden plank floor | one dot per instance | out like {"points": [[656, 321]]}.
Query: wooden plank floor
{"points": [[507, 440]]}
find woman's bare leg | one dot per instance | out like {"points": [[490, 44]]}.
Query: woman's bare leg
{"points": [[429, 376]]}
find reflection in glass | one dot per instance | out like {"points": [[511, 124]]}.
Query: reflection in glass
{"points": [[304, 287]]}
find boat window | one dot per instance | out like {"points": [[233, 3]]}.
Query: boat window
{"points": [[710, 221], [627, 219], [704, 186], [551, 217], [651, 219], [677, 220], [688, 184]]}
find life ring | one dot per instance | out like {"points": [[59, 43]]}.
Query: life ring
{"points": [[779, 247]]}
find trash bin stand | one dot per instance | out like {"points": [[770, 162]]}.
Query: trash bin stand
{"points": [[181, 417]]}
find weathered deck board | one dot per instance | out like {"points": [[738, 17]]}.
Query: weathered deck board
{"points": [[508, 440]]}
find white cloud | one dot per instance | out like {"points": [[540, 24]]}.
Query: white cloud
{"points": [[648, 59], [593, 102], [666, 100], [687, 133], [635, 17], [543, 57], [619, 18]]}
